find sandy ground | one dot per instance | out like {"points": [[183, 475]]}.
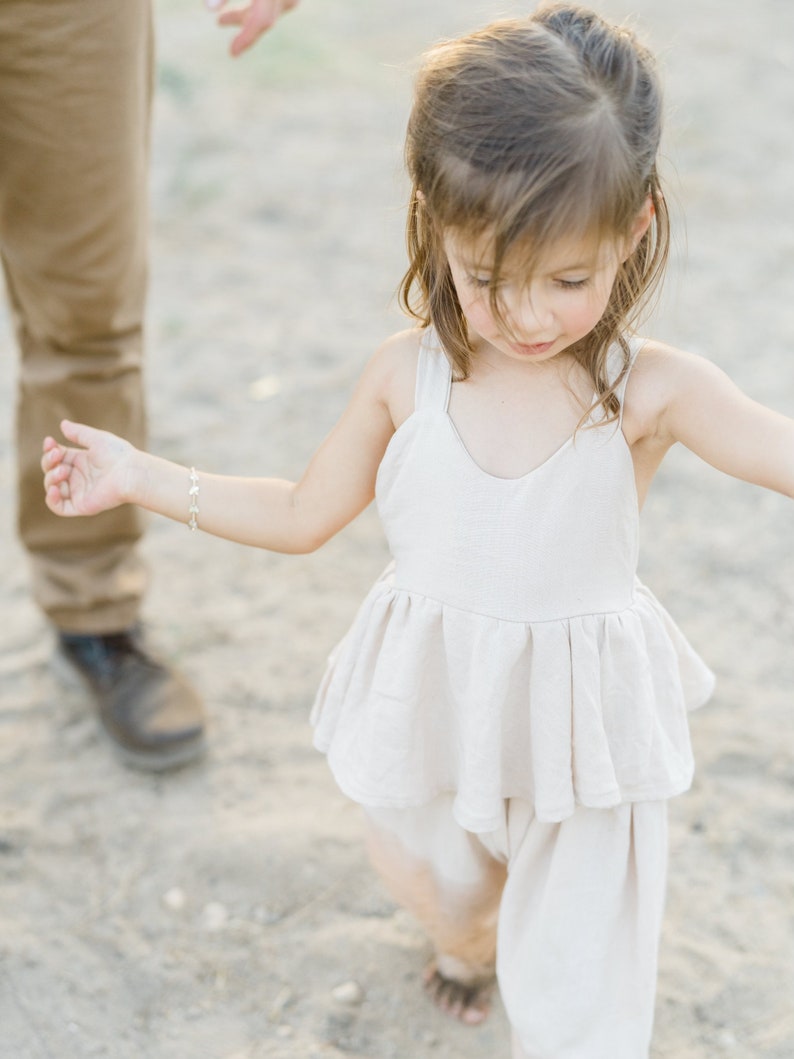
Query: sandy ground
{"points": [[214, 913]]}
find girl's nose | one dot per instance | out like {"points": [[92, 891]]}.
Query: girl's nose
{"points": [[532, 313]]}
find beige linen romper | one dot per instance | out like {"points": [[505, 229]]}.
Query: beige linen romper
{"points": [[509, 690]]}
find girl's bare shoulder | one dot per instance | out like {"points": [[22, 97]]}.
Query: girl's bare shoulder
{"points": [[661, 373], [402, 346], [395, 364]]}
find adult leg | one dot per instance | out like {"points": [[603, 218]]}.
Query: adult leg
{"points": [[75, 94], [448, 881], [579, 931]]}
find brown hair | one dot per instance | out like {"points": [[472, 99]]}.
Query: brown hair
{"points": [[530, 131]]}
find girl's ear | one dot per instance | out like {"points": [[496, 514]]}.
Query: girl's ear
{"points": [[642, 223]]}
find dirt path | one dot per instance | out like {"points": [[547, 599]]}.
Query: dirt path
{"points": [[215, 913]]}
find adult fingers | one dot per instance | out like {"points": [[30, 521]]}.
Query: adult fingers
{"points": [[256, 18]]}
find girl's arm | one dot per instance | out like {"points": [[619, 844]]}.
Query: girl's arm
{"points": [[266, 512], [704, 410]]}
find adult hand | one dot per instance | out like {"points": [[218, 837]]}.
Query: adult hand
{"points": [[256, 17]]}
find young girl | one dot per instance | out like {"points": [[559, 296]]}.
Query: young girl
{"points": [[509, 705]]}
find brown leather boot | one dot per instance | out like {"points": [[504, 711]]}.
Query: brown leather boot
{"points": [[152, 714]]}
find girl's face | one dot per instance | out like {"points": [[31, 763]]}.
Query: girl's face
{"points": [[543, 315]]}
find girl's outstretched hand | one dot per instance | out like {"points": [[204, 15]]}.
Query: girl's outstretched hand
{"points": [[87, 480]]}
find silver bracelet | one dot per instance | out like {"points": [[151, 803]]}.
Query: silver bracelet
{"points": [[193, 492]]}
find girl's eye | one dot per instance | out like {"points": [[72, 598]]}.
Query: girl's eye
{"points": [[572, 284], [480, 282]]}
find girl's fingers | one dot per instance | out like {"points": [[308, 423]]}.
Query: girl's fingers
{"points": [[54, 500], [58, 498], [79, 432], [52, 454], [56, 477], [73, 431]]}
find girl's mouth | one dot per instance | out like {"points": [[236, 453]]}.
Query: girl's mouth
{"points": [[533, 350]]}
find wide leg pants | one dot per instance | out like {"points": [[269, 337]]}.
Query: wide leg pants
{"points": [[75, 95], [573, 911]]}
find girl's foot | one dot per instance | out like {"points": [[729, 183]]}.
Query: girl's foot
{"points": [[459, 989]]}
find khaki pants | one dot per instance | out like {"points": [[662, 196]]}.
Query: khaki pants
{"points": [[75, 95], [572, 912]]}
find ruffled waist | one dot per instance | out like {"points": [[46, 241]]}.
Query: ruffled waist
{"points": [[421, 698]]}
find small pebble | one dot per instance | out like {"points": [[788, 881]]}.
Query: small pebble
{"points": [[267, 386], [174, 899], [348, 993]]}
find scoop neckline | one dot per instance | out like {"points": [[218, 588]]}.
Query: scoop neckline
{"points": [[500, 477]]}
